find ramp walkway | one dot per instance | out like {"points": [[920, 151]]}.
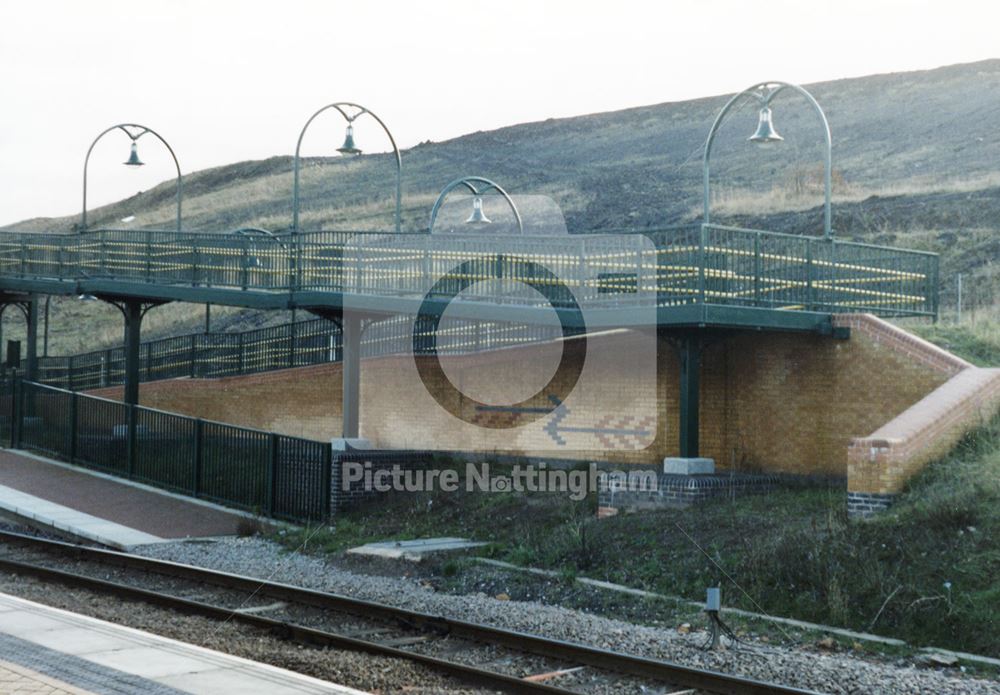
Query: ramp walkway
{"points": [[100, 508]]}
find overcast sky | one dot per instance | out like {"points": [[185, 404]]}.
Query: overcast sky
{"points": [[228, 80]]}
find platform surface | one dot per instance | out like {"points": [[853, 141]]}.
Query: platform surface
{"points": [[101, 508], [48, 650]]}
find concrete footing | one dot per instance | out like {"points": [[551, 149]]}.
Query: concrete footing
{"points": [[688, 466], [350, 443]]}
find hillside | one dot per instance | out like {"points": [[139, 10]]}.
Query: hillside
{"points": [[915, 164]]}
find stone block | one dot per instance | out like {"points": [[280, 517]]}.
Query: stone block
{"points": [[688, 466], [349, 443]]}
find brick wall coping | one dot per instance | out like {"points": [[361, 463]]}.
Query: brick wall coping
{"points": [[903, 341], [970, 386]]}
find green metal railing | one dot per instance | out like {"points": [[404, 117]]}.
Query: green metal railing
{"points": [[271, 474], [318, 341], [731, 266], [707, 263]]}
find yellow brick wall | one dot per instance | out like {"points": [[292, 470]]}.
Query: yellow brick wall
{"points": [[783, 402]]}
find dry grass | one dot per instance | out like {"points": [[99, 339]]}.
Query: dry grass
{"points": [[784, 197]]}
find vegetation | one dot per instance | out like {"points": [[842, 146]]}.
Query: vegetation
{"points": [[978, 343], [923, 572], [936, 189]]}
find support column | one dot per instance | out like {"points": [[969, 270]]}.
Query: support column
{"points": [[689, 351], [351, 370], [132, 311], [31, 362]]}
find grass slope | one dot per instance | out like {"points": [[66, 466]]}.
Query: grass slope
{"points": [[915, 165]]}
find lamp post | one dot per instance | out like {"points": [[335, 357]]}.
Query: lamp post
{"points": [[764, 93], [134, 131], [478, 186], [350, 112]]}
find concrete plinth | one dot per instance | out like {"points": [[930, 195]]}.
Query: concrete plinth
{"points": [[415, 550], [349, 443], [688, 466]]}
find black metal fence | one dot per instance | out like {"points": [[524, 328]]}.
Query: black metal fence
{"points": [[263, 472], [201, 355], [209, 355]]}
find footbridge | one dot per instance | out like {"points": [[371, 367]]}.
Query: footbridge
{"points": [[689, 283]]}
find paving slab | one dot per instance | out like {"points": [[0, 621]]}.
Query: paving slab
{"points": [[44, 652], [414, 550], [41, 512]]}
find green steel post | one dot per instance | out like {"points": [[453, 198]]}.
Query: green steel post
{"points": [[31, 366], [293, 335], [132, 310], [810, 297], [13, 409], [73, 410], [272, 469], [831, 303], [21, 405], [70, 385], [241, 366], [195, 262], [351, 375], [934, 288], [149, 256], [24, 257], [193, 354], [701, 264], [131, 452], [296, 261], [690, 363], [756, 269], [15, 412], [245, 262], [325, 481], [199, 456]]}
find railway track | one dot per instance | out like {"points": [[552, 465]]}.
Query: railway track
{"points": [[480, 655]]}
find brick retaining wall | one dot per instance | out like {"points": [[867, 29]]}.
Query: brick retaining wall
{"points": [[771, 402]]}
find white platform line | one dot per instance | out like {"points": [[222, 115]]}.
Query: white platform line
{"points": [[183, 666], [57, 516]]}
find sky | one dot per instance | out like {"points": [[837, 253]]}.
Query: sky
{"points": [[225, 80]]}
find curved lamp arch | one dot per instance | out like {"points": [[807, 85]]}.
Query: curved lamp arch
{"points": [[128, 129], [342, 107], [764, 92], [258, 232], [469, 182]]}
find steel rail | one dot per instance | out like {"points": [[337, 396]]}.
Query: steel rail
{"points": [[676, 674], [279, 628]]}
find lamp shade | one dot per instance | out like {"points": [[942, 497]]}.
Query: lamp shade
{"points": [[766, 133]]}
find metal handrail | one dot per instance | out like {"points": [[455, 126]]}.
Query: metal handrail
{"points": [[849, 276]]}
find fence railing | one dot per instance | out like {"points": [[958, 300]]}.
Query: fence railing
{"points": [[263, 472], [696, 263], [299, 344]]}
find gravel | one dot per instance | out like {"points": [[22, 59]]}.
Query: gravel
{"points": [[821, 671], [362, 671]]}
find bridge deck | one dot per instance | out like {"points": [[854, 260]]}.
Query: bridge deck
{"points": [[691, 275]]}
